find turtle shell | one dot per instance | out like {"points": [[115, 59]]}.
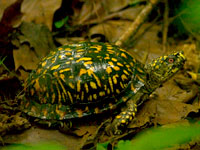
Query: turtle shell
{"points": [[82, 79]]}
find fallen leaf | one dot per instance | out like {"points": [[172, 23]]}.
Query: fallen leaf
{"points": [[32, 45], [111, 29], [162, 112], [25, 57], [5, 4], [39, 11]]}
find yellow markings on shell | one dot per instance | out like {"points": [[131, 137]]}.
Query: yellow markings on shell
{"points": [[93, 85], [107, 57], [62, 76], [137, 76], [131, 63], [111, 84], [53, 97], [84, 59], [105, 87], [140, 70], [133, 114], [118, 91], [90, 71], [124, 99], [96, 51], [44, 71], [68, 62], [86, 108], [77, 97], [108, 70], [68, 54], [59, 93], [39, 71], [37, 84], [127, 117], [71, 77], [82, 71], [126, 72], [96, 110], [68, 49], [86, 88], [82, 95], [110, 105], [55, 67], [80, 50], [64, 70], [111, 63], [130, 118], [53, 60], [123, 121], [116, 68], [119, 64], [109, 47], [44, 112], [110, 51], [95, 96], [118, 116], [70, 96], [61, 113], [165, 57], [63, 88], [60, 48], [157, 67], [115, 79], [79, 112], [108, 91], [133, 88], [90, 98], [78, 85], [124, 77], [32, 92], [122, 50], [87, 63], [44, 63], [124, 55], [102, 93]]}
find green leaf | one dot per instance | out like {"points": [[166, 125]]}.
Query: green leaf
{"points": [[40, 146], [160, 138], [102, 146], [61, 23]]}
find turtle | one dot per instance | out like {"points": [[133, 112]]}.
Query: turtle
{"points": [[89, 78]]}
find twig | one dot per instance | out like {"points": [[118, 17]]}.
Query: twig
{"points": [[165, 26], [138, 21]]}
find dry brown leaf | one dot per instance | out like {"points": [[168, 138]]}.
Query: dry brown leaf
{"points": [[170, 91], [110, 29], [25, 57], [85, 130], [5, 4], [97, 11], [39, 11], [162, 112], [39, 41]]}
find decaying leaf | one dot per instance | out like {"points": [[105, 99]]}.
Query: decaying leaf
{"points": [[39, 11], [5, 4], [32, 45]]}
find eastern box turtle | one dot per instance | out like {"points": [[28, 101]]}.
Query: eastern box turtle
{"points": [[89, 78]]}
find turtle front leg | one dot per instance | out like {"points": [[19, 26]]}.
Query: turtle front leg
{"points": [[123, 119]]}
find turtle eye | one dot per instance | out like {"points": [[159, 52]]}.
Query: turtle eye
{"points": [[170, 60]]}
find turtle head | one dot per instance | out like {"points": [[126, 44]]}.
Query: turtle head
{"points": [[162, 68]]}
